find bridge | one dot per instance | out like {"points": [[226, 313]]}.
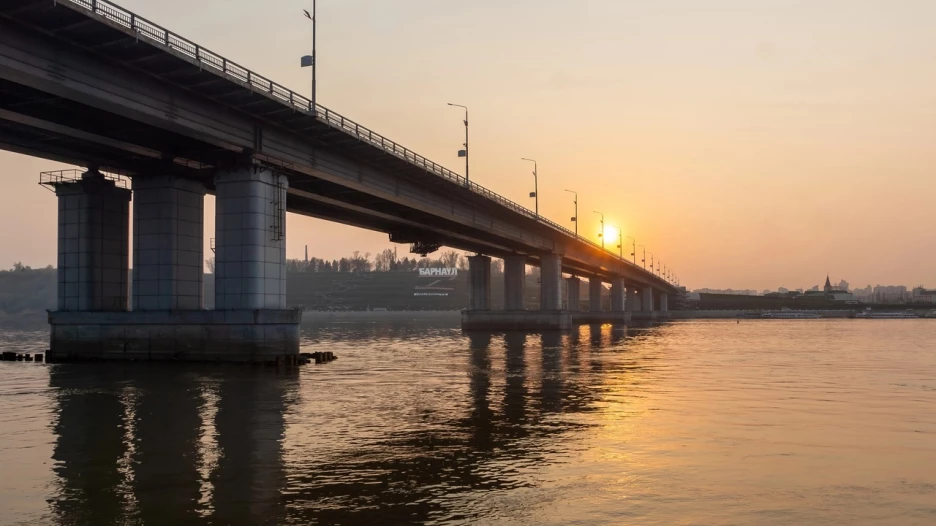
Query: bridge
{"points": [[159, 119]]}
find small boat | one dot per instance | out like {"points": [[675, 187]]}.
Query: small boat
{"points": [[868, 315], [790, 315]]}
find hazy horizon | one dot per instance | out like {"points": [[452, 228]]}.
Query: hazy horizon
{"points": [[749, 147]]}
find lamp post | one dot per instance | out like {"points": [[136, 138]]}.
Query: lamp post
{"points": [[575, 217], [620, 244], [651, 263], [464, 153], [644, 259], [309, 60], [633, 248], [601, 232], [535, 193]]}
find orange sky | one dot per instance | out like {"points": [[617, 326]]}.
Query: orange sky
{"points": [[749, 144]]}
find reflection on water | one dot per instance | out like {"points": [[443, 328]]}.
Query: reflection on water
{"points": [[708, 422]]}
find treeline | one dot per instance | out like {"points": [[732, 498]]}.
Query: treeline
{"points": [[384, 261], [27, 290]]}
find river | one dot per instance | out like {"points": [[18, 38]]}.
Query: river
{"points": [[694, 422]]}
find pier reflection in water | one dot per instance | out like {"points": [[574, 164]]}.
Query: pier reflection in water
{"points": [[416, 427], [762, 422]]}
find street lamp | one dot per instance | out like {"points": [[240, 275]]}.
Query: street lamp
{"points": [[633, 248], [535, 193], [651, 263], [644, 260], [601, 232], [464, 153], [309, 60], [575, 217], [621, 243]]}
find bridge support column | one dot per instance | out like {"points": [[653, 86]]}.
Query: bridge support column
{"points": [[550, 316], [551, 282], [633, 300], [479, 283], [594, 294], [93, 244], [168, 243], [573, 293], [664, 302], [617, 294], [514, 282], [647, 302], [250, 239], [251, 323]]}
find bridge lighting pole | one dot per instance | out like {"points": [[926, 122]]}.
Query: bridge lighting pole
{"points": [[644, 260], [633, 248], [651, 263], [535, 193], [601, 232], [464, 153], [621, 244], [575, 217], [309, 60]]}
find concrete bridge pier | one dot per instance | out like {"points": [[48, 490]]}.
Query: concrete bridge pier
{"points": [[618, 292], [479, 283], [514, 281], [93, 244], [573, 294], [664, 305], [551, 282], [648, 306], [168, 243], [594, 294], [550, 316], [633, 300], [168, 322]]}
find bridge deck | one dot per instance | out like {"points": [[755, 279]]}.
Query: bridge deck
{"points": [[102, 28]]}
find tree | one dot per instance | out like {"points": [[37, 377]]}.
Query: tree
{"points": [[449, 259], [210, 263]]}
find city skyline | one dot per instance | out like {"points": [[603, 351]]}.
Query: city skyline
{"points": [[751, 178]]}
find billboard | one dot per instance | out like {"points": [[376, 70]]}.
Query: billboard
{"points": [[443, 282]]}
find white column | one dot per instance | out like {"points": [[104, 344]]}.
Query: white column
{"points": [[594, 294], [168, 243], [647, 302], [479, 283], [250, 239], [93, 244], [573, 293], [551, 282], [514, 281], [617, 294]]}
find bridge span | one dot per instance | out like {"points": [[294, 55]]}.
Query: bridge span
{"points": [[89, 83]]}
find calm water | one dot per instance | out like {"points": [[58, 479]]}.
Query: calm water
{"points": [[708, 422]]}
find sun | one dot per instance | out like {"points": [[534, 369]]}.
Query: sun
{"points": [[610, 234]]}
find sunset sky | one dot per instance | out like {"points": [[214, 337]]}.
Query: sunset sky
{"points": [[747, 144]]}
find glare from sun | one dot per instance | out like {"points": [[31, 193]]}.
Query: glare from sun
{"points": [[610, 234]]}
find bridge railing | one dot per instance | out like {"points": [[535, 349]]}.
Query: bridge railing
{"points": [[232, 70]]}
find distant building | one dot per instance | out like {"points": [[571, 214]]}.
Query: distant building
{"points": [[828, 293], [890, 294], [922, 295]]}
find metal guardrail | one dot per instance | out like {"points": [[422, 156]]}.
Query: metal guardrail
{"points": [[56, 177], [164, 37]]}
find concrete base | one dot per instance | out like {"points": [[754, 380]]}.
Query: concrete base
{"points": [[516, 320], [255, 336], [588, 317], [650, 316]]}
